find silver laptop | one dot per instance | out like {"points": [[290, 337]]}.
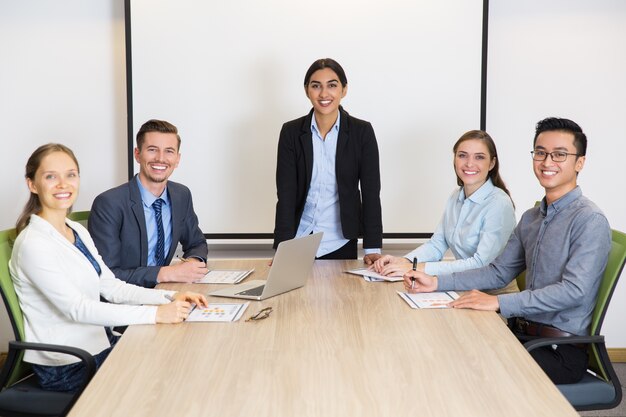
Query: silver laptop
{"points": [[290, 269]]}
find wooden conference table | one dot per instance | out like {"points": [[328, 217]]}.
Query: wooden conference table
{"points": [[339, 346]]}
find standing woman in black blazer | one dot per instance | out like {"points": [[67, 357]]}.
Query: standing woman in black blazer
{"points": [[323, 159]]}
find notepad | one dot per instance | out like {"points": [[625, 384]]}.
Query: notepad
{"points": [[372, 275], [429, 299], [224, 276], [223, 312]]}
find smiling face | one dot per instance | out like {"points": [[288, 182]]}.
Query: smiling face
{"points": [[157, 158], [325, 92], [557, 178], [472, 163], [56, 183]]}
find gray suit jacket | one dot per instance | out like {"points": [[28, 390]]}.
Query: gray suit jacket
{"points": [[118, 227]]}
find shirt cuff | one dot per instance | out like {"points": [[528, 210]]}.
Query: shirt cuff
{"points": [[370, 251]]}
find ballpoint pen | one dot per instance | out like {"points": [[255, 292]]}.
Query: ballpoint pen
{"points": [[414, 269]]}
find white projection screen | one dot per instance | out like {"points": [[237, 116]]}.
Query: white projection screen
{"points": [[230, 73]]}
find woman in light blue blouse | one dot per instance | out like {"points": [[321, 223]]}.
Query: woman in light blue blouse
{"points": [[478, 219]]}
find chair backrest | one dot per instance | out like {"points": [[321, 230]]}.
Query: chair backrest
{"points": [[19, 368], [7, 237], [614, 268], [521, 281], [81, 217]]}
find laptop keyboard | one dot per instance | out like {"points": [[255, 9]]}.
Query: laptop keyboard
{"points": [[254, 292]]}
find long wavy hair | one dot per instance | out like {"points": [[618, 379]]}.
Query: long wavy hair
{"points": [[494, 173], [33, 205]]}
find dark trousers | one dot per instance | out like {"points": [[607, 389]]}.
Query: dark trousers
{"points": [[70, 377], [566, 364], [347, 251]]}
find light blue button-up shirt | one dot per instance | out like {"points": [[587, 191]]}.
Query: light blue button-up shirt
{"points": [[475, 229], [321, 209], [147, 198]]}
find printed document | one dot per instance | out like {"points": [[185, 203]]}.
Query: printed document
{"points": [[372, 276], [218, 312], [224, 276], [429, 299]]}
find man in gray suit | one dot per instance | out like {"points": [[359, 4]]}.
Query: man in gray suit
{"points": [[138, 225]]}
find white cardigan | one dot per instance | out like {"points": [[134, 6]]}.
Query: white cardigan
{"points": [[59, 292]]}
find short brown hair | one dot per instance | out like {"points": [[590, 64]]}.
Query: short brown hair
{"points": [[154, 125]]}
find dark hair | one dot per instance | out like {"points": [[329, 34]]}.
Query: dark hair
{"points": [[494, 173], [563, 125], [33, 205], [326, 63], [154, 125]]}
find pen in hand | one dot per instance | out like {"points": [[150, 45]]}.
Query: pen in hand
{"points": [[414, 269]]}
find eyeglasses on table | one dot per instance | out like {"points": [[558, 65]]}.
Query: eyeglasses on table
{"points": [[261, 314]]}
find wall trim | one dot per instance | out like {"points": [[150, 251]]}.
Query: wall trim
{"points": [[617, 354]]}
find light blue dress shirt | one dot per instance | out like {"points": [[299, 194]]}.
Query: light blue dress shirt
{"points": [[475, 229], [321, 209], [147, 199]]}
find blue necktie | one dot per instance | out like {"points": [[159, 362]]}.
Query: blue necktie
{"points": [[159, 257]]}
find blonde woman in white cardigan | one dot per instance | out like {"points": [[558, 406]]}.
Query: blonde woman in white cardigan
{"points": [[59, 278]]}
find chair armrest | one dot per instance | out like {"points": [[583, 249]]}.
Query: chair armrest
{"points": [[547, 341], [83, 355]]}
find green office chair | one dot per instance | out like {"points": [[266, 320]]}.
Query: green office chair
{"points": [[81, 217], [20, 394], [521, 281], [602, 390]]}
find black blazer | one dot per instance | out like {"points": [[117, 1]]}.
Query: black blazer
{"points": [[356, 162], [118, 228]]}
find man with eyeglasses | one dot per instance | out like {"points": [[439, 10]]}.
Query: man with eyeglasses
{"points": [[563, 244]]}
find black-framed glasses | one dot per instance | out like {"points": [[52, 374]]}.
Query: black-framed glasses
{"points": [[557, 156], [261, 314]]}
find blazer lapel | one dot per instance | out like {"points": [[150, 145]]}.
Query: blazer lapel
{"points": [[342, 139], [136, 205], [306, 142], [175, 204]]}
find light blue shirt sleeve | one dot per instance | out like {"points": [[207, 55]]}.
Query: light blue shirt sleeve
{"points": [[475, 229]]}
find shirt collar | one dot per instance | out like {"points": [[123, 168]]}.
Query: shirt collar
{"points": [[316, 130], [148, 198], [561, 203], [479, 195]]}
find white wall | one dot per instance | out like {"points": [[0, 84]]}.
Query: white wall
{"points": [[62, 79]]}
